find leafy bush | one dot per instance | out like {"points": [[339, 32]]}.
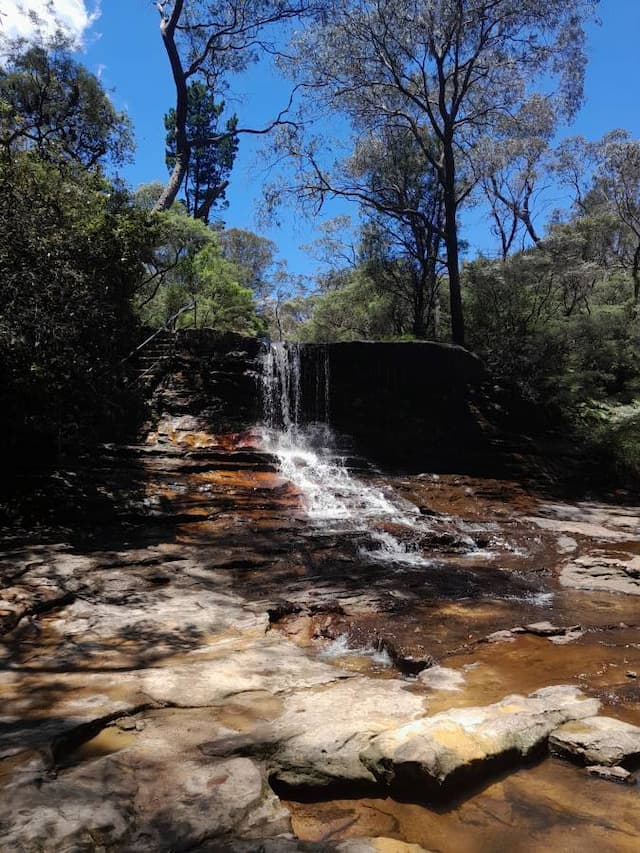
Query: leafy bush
{"points": [[188, 268], [552, 329], [357, 310], [71, 255]]}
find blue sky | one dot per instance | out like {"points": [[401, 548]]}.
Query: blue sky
{"points": [[122, 45]]}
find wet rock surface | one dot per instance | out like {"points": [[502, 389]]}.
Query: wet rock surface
{"points": [[356, 845], [612, 774], [185, 670], [549, 806]]}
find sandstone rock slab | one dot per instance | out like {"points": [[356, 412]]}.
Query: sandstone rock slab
{"points": [[236, 665], [292, 845], [378, 845], [465, 743], [597, 740], [503, 636], [442, 678], [603, 572], [272, 664], [319, 737], [157, 794], [611, 774]]}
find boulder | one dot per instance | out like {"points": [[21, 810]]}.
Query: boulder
{"points": [[378, 845], [504, 636], [558, 634], [597, 740], [547, 629], [442, 678], [463, 744], [318, 739]]}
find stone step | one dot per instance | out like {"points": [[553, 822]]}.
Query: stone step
{"points": [[147, 362], [154, 351]]}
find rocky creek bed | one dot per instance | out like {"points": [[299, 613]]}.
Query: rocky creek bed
{"points": [[206, 668]]}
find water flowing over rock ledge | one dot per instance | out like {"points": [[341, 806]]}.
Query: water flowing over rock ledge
{"points": [[407, 402]]}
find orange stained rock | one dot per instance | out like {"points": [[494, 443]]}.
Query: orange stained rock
{"points": [[244, 479]]}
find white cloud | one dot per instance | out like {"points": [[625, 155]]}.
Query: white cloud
{"points": [[26, 18]]}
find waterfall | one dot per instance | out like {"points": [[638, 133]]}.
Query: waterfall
{"points": [[281, 389], [296, 406], [286, 386], [296, 392]]}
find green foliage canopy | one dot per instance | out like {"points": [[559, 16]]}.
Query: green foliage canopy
{"points": [[188, 270], [53, 106]]}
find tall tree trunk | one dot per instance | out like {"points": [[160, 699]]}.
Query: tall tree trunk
{"points": [[419, 329], [525, 217], [202, 209], [174, 183], [636, 275], [183, 148], [431, 285], [451, 243]]}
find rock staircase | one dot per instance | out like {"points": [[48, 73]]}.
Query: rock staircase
{"points": [[154, 354]]}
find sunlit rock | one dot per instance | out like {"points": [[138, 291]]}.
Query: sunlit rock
{"points": [[597, 740], [319, 737], [467, 743], [603, 572], [378, 845], [612, 774], [442, 678]]}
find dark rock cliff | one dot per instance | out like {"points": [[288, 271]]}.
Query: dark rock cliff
{"points": [[406, 402], [212, 375], [402, 403]]}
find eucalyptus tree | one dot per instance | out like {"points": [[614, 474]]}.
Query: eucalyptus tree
{"points": [[604, 179], [574, 164], [207, 42], [514, 175], [334, 248], [618, 179], [401, 207], [253, 256], [452, 73], [53, 106], [404, 212]]}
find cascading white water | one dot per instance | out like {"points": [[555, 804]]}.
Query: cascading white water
{"points": [[307, 455], [282, 387]]}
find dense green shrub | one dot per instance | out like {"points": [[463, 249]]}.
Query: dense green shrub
{"points": [[188, 271], [552, 330], [71, 254]]}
